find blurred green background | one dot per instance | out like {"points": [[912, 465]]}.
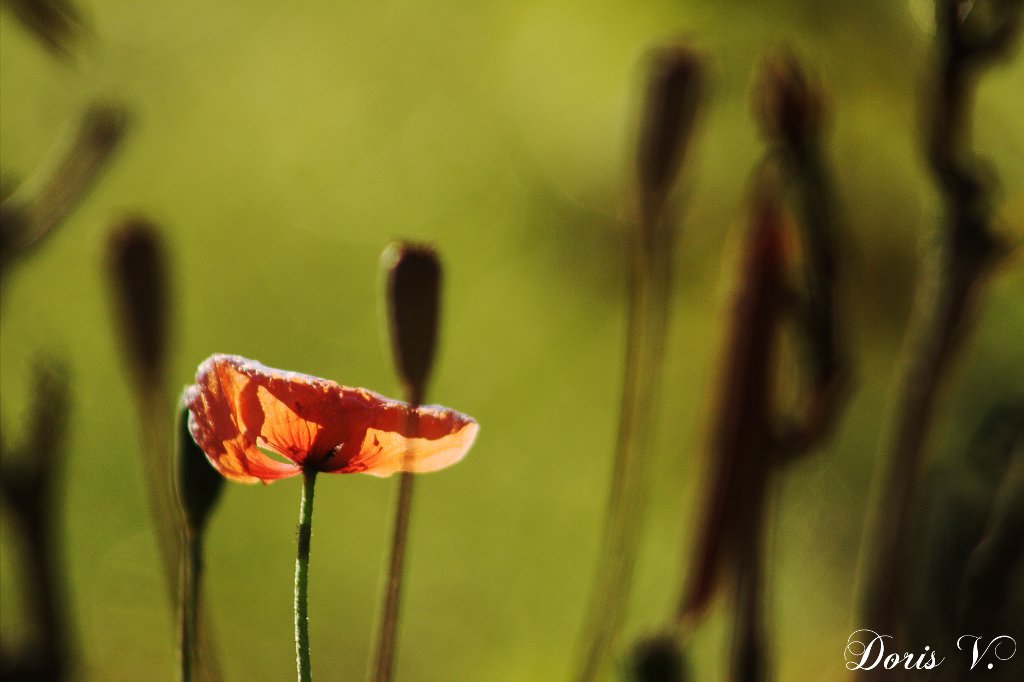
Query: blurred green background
{"points": [[280, 146]]}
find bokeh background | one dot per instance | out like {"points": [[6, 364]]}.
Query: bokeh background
{"points": [[281, 146]]}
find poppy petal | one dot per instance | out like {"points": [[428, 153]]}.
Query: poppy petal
{"points": [[214, 424], [419, 440], [239, 405]]}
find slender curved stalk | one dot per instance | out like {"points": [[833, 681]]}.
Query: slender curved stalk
{"points": [[413, 303], [383, 667], [31, 488], [958, 264], [191, 572], [384, 663], [158, 447], [647, 326], [38, 207], [199, 486], [302, 662], [670, 110]]}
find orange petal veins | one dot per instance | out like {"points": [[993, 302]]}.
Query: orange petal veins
{"points": [[213, 423], [238, 406], [418, 440]]}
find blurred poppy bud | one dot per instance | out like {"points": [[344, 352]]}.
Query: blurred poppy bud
{"points": [[103, 125], [55, 23], [787, 104], [98, 136], [35, 208], [658, 659], [674, 84], [413, 300], [199, 484], [14, 223], [138, 272]]}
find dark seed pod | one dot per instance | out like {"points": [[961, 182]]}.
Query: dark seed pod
{"points": [[658, 659], [199, 484], [138, 271], [413, 300], [673, 92], [788, 105], [54, 23]]}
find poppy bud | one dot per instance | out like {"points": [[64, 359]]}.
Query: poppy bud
{"points": [[787, 104], [673, 91], [102, 127], [33, 210], [14, 224], [413, 300], [99, 133], [199, 484], [658, 659], [55, 23], [138, 271]]}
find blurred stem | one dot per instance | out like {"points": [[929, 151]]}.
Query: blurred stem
{"points": [[302, 660], [927, 355], [988, 576], [750, 648], [648, 301], [384, 664], [819, 235], [957, 264], [191, 575], [31, 488], [383, 667], [158, 442], [34, 513], [744, 452]]}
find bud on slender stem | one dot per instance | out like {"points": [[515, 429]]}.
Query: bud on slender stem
{"points": [[137, 268], [413, 300], [673, 86]]}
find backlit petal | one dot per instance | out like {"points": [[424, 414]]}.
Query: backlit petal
{"points": [[403, 438], [214, 425], [239, 406]]}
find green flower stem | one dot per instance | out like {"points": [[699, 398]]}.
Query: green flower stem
{"points": [[302, 577]]}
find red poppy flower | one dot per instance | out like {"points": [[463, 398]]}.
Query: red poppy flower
{"points": [[238, 407]]}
